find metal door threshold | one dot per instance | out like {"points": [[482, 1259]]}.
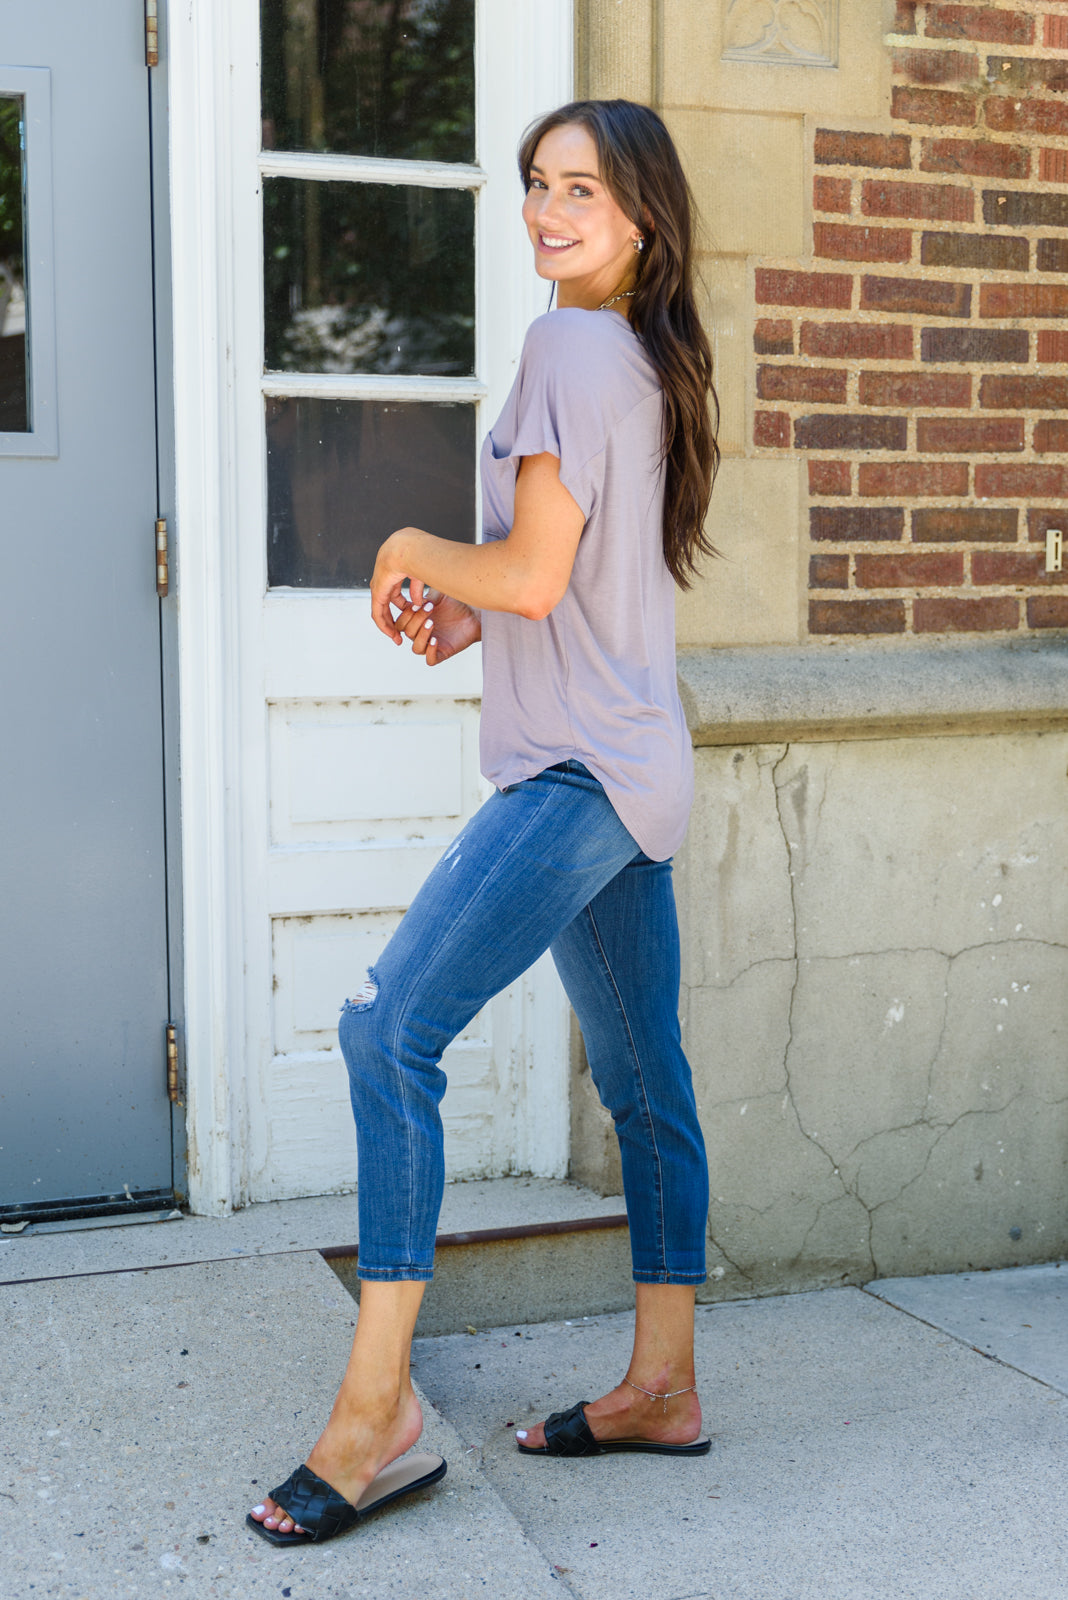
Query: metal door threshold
{"points": [[114, 1206]]}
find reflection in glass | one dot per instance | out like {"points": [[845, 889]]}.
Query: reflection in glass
{"points": [[368, 277], [14, 386], [370, 77], [343, 474]]}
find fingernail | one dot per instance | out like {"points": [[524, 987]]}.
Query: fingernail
{"points": [[520, 1433], [429, 606], [433, 641], [429, 622], [257, 1511]]}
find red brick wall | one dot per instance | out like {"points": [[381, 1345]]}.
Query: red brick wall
{"points": [[922, 364]]}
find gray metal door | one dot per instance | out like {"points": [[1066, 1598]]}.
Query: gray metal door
{"points": [[84, 1112]]}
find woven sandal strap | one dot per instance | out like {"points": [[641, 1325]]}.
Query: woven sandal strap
{"points": [[314, 1505], [567, 1433]]}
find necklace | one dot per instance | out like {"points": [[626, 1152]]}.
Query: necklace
{"points": [[627, 294]]}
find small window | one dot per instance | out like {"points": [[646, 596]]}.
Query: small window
{"points": [[27, 309], [368, 277], [14, 375], [342, 474], [370, 77]]}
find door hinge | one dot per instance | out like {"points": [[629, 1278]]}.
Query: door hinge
{"points": [[152, 33], [172, 1064], [163, 577]]}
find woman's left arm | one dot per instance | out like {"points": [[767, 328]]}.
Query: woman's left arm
{"points": [[525, 573]]}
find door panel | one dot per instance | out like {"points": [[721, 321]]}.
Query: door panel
{"points": [[83, 1107]]}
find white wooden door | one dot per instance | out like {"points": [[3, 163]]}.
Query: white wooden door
{"points": [[358, 764]]}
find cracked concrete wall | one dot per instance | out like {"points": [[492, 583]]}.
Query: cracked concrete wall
{"points": [[875, 1005]]}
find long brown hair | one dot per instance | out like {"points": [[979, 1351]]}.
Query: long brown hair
{"points": [[640, 167]]}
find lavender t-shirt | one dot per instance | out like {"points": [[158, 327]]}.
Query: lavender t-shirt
{"points": [[594, 681]]}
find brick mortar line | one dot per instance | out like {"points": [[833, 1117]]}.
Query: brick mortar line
{"points": [[952, 133], [974, 277], [1007, 230], [1027, 8], [1031, 456], [884, 368], [932, 178], [933, 591], [916, 135], [934, 412], [930, 369], [964, 228], [906, 271], [910, 320], [928, 44], [922, 547], [937, 500]]}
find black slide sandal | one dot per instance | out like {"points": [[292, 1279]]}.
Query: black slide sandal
{"points": [[324, 1514], [567, 1433]]}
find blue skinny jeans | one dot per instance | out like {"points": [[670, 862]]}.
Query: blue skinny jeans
{"points": [[545, 864]]}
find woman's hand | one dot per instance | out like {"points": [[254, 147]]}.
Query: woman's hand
{"points": [[390, 574], [439, 628]]}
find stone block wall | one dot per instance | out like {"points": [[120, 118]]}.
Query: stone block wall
{"points": [[872, 897], [873, 1005], [917, 363]]}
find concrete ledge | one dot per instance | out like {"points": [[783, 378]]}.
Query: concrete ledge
{"points": [[493, 1206], [491, 1277], [771, 694]]}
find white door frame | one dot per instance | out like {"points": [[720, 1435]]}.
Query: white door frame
{"points": [[212, 63]]}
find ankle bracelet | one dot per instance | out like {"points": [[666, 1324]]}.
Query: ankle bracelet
{"points": [[665, 1397]]}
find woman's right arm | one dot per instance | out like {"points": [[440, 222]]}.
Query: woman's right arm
{"points": [[526, 573]]}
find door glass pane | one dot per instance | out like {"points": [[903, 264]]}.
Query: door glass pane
{"points": [[343, 474], [370, 77], [14, 384], [368, 277]]}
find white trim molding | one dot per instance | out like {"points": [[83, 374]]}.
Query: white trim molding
{"points": [[202, 228]]}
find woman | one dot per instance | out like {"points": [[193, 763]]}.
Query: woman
{"points": [[596, 479]]}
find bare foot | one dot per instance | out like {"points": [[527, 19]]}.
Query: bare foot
{"points": [[626, 1414], [357, 1442]]}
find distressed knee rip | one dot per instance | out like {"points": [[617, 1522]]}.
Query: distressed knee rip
{"points": [[364, 998], [452, 854]]}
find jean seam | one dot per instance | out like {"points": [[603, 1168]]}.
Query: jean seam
{"points": [[431, 955], [646, 1115]]}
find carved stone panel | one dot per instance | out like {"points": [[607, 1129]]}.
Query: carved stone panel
{"points": [[798, 32]]}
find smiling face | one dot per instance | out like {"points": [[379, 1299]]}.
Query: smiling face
{"points": [[582, 240]]}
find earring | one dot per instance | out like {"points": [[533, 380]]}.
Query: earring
{"points": [[639, 243]]}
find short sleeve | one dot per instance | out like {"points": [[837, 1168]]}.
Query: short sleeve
{"points": [[559, 404]]}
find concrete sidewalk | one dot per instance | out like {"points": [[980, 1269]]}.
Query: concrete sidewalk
{"points": [[859, 1452]]}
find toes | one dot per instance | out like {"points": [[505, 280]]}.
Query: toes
{"points": [[532, 1438], [275, 1517]]}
